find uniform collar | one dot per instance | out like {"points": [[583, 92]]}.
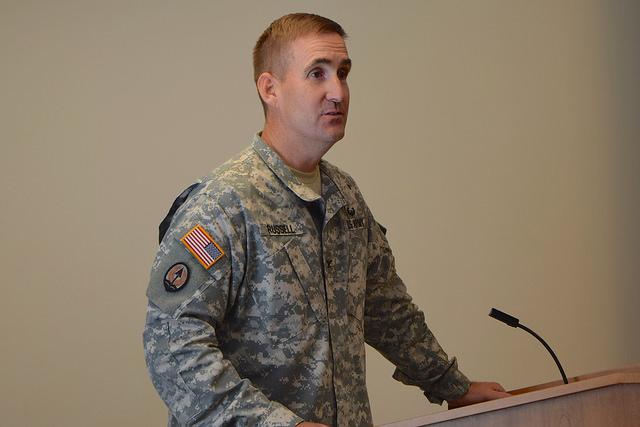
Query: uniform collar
{"points": [[333, 184], [282, 171], [332, 190]]}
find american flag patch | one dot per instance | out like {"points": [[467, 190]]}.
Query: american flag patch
{"points": [[202, 246]]}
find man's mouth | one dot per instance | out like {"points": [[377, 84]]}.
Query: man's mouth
{"points": [[333, 113]]}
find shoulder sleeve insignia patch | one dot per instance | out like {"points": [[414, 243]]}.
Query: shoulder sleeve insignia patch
{"points": [[202, 246], [176, 277]]}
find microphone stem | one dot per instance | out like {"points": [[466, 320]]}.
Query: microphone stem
{"points": [[539, 338]]}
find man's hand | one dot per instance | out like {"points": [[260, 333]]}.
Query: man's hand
{"points": [[308, 424], [479, 392]]}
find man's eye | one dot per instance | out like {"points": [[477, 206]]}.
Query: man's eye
{"points": [[342, 74], [316, 74]]}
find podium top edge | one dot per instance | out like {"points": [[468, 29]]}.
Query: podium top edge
{"points": [[523, 396]]}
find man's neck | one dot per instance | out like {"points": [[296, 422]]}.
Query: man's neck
{"points": [[295, 154]]}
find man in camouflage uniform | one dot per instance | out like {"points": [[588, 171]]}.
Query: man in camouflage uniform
{"points": [[272, 273]]}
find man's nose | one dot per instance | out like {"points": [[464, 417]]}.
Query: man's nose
{"points": [[336, 89]]}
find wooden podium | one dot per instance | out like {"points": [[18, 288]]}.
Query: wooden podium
{"points": [[609, 398]]}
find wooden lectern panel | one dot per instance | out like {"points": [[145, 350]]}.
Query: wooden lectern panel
{"points": [[610, 398]]}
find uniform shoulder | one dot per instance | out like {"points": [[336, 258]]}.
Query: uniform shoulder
{"points": [[234, 175], [221, 189]]}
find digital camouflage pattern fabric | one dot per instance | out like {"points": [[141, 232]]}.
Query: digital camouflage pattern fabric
{"points": [[274, 332]]}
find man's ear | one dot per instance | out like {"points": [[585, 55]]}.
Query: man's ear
{"points": [[267, 85]]}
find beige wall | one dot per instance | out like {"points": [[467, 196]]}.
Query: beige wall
{"points": [[496, 140]]}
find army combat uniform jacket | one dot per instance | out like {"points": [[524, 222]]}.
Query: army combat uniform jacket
{"points": [[262, 297]]}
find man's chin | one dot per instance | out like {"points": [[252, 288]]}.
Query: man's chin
{"points": [[336, 135]]}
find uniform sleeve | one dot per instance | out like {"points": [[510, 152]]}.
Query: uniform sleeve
{"points": [[397, 329], [194, 280]]}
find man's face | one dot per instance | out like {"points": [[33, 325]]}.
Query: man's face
{"points": [[313, 97]]}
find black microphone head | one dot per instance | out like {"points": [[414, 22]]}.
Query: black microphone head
{"points": [[504, 318]]}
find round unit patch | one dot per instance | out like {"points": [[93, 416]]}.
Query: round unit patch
{"points": [[176, 277]]}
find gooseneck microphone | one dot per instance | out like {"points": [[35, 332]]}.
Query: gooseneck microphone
{"points": [[515, 323]]}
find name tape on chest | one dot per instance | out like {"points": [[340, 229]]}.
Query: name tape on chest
{"points": [[202, 246], [281, 229]]}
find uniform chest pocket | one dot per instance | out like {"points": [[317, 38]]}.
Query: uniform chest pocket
{"points": [[287, 295]]}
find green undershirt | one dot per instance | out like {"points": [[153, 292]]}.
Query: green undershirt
{"points": [[310, 179]]}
